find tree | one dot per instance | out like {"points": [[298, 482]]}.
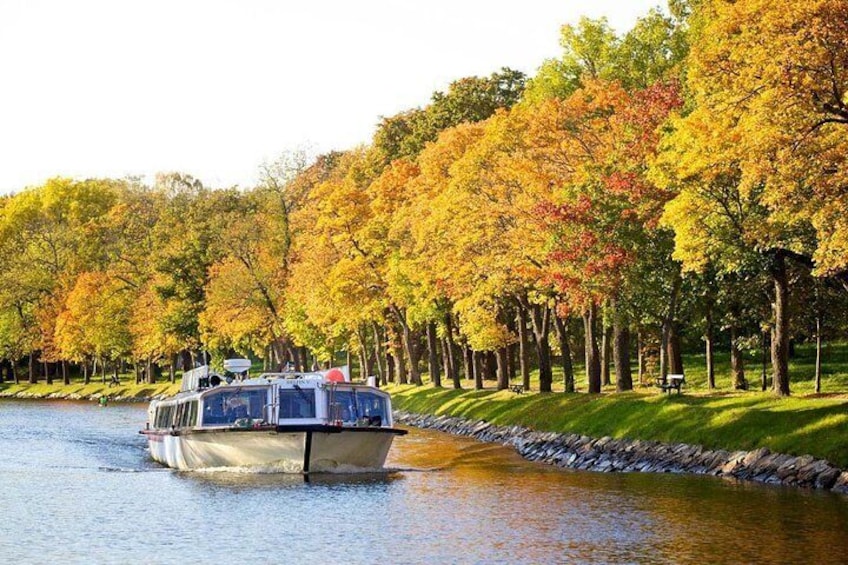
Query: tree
{"points": [[602, 216], [757, 151], [777, 77], [468, 100]]}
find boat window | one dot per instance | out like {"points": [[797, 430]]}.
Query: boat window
{"points": [[178, 416], [359, 407], [163, 416], [188, 414], [343, 406], [297, 403], [192, 414], [373, 407], [227, 406]]}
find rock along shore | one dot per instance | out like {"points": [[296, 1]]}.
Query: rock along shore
{"points": [[606, 454]]}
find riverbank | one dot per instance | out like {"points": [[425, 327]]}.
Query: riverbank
{"points": [[744, 435], [748, 435], [123, 392], [621, 455]]}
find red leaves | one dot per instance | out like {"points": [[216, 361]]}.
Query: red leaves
{"points": [[577, 212]]}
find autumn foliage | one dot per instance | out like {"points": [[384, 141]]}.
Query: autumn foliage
{"points": [[631, 188]]}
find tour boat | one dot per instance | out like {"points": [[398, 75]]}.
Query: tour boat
{"points": [[287, 422]]}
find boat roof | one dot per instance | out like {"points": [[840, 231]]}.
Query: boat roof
{"points": [[198, 382]]}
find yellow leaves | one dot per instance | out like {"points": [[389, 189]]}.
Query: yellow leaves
{"points": [[95, 320], [480, 324], [237, 312], [769, 79]]}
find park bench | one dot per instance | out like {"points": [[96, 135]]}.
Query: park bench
{"points": [[671, 382]]}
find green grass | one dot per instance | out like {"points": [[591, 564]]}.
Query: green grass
{"points": [[127, 388], [803, 424]]}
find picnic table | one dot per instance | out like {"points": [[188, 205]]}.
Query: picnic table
{"points": [[671, 382]]}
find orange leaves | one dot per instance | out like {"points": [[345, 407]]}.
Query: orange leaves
{"points": [[592, 150], [95, 320]]}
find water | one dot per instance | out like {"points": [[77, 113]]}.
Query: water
{"points": [[77, 486]]}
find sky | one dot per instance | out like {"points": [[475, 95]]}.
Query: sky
{"points": [[214, 88]]}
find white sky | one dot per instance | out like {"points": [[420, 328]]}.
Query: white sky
{"points": [[214, 87]]}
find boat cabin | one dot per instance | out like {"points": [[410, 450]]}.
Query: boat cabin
{"points": [[270, 400]]}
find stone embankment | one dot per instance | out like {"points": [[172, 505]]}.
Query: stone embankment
{"points": [[622, 455]]}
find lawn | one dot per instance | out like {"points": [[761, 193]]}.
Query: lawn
{"points": [[723, 418]]}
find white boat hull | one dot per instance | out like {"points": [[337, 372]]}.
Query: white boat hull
{"points": [[301, 451]]}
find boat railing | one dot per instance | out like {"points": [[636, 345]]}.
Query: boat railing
{"points": [[292, 376]]}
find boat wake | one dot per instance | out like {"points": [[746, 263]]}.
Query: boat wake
{"points": [[133, 470], [283, 468], [272, 469]]}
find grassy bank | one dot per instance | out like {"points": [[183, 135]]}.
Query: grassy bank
{"points": [[803, 424], [78, 389], [747, 420]]}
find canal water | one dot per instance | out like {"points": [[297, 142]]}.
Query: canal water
{"points": [[77, 486]]}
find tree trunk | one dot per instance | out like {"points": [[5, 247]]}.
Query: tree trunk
{"points": [[47, 374], [780, 343], [151, 373], [675, 355], [400, 365], [593, 361], [818, 352], [640, 357], [447, 362], [363, 360], [378, 354], [15, 375], [621, 350], [737, 362], [502, 370], [478, 370], [172, 370], [664, 350], [448, 351], [390, 367], [606, 354], [298, 360], [709, 339], [667, 329], [33, 376], [540, 316], [523, 347], [766, 334], [511, 352], [66, 377], [468, 362], [565, 349], [411, 347], [433, 356], [490, 366]]}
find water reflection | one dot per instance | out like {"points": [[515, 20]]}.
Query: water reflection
{"points": [[251, 479]]}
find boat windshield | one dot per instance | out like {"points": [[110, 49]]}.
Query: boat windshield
{"points": [[359, 407], [297, 403], [227, 406]]}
